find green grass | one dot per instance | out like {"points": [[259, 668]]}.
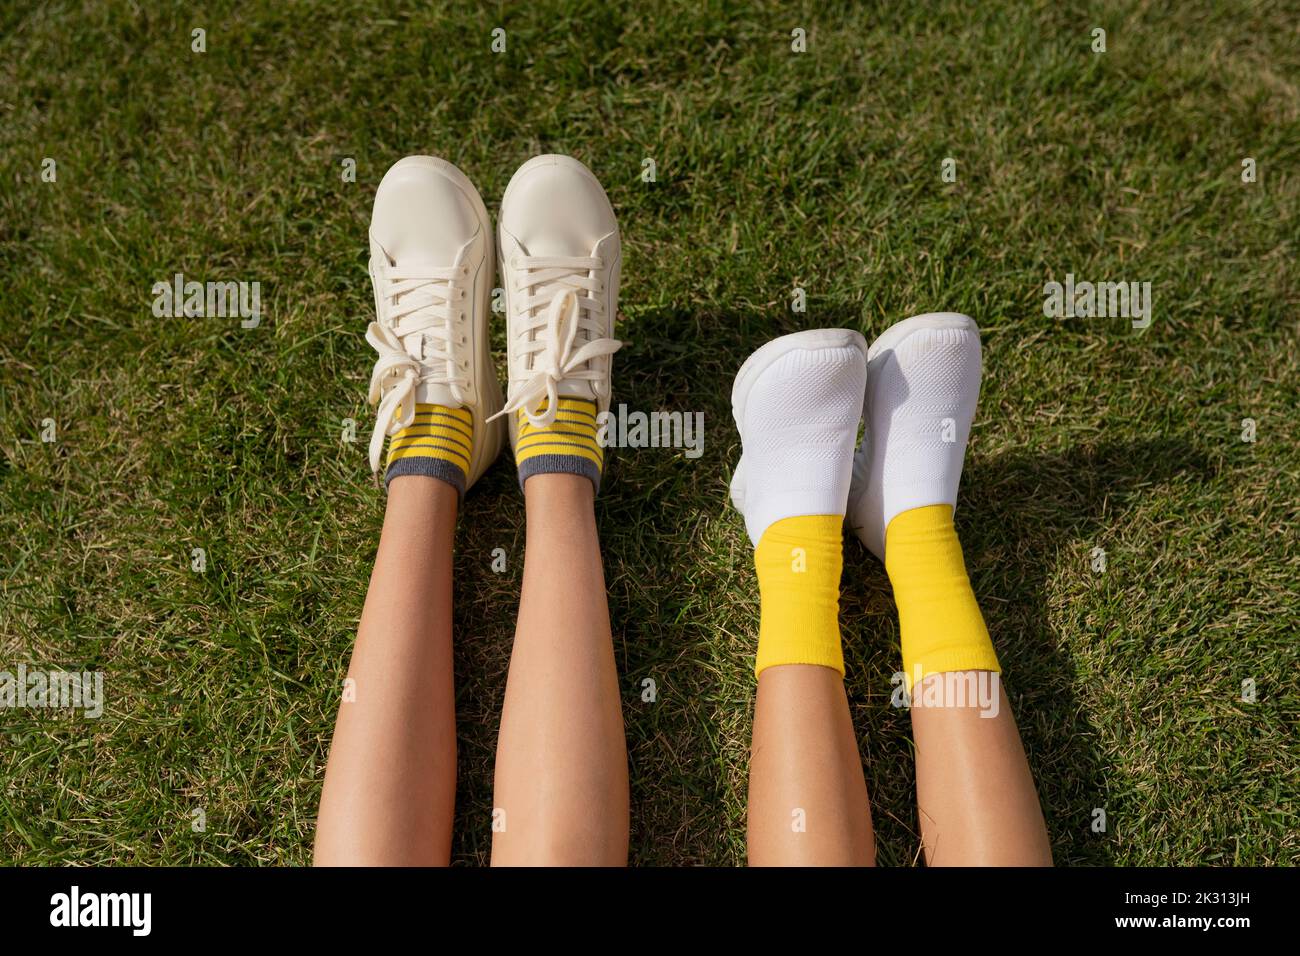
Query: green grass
{"points": [[774, 169]]}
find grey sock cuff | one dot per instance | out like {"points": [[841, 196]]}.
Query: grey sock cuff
{"points": [[453, 475], [562, 464]]}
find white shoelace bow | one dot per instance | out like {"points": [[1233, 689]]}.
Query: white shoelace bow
{"points": [[419, 299], [556, 358]]}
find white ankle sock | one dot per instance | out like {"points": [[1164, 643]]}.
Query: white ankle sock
{"points": [[924, 384], [797, 403]]}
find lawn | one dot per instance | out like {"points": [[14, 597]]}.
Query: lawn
{"points": [[773, 169]]}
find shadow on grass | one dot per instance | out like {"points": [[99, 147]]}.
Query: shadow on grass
{"points": [[684, 606], [486, 603], [650, 511]]}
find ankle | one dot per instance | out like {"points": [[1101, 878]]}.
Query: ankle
{"points": [[556, 498]]}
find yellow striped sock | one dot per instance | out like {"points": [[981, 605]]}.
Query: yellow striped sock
{"points": [[799, 562], [439, 443], [940, 622], [567, 445]]}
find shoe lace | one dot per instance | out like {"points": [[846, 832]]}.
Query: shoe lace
{"points": [[558, 304], [412, 298]]}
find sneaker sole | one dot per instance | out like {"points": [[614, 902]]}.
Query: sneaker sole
{"points": [[761, 360], [892, 336]]}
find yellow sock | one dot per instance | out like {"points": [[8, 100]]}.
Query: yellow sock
{"points": [[799, 562], [940, 622], [438, 444], [568, 445]]}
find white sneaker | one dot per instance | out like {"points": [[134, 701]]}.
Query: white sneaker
{"points": [[560, 261], [797, 402], [431, 267], [923, 385]]}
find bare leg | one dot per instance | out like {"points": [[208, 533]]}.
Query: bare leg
{"points": [[390, 783], [807, 796], [561, 773], [974, 792]]}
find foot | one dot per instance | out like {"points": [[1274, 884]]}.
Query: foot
{"points": [[923, 384], [560, 261], [431, 266], [797, 403]]}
